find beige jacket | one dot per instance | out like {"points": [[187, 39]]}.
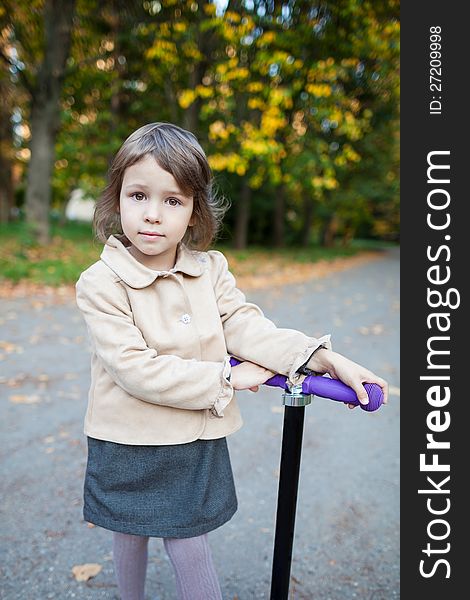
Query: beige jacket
{"points": [[161, 344]]}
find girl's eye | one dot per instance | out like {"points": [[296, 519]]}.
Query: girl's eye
{"points": [[171, 200], [135, 194]]}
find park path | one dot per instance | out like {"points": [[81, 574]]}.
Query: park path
{"points": [[346, 543]]}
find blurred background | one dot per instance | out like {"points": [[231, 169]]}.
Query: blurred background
{"points": [[296, 104]]}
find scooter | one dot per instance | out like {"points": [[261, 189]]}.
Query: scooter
{"points": [[295, 399]]}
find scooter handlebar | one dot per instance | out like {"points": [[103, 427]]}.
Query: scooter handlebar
{"points": [[329, 388]]}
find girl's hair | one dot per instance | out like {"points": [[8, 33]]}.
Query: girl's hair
{"points": [[178, 152]]}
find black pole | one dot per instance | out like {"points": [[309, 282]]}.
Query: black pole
{"points": [[287, 499]]}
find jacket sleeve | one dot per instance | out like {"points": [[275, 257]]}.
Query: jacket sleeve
{"points": [[139, 370], [250, 336]]}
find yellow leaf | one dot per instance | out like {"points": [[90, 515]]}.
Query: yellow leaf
{"points": [[86, 571]]}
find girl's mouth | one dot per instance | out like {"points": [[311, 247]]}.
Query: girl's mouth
{"points": [[150, 235]]}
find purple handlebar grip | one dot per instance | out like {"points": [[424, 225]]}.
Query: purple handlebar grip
{"points": [[330, 388]]}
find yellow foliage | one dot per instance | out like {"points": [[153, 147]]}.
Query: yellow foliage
{"points": [[349, 62], [275, 173], [351, 154], [255, 86], [256, 103], [218, 130], [336, 115], [204, 91], [186, 98], [327, 182], [320, 90], [231, 162], [232, 16], [267, 38], [257, 147], [209, 9], [317, 182], [180, 26], [225, 90], [241, 73], [280, 97], [163, 49], [271, 121], [330, 183], [192, 51], [256, 180]]}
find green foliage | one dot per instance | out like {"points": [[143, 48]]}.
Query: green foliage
{"points": [[286, 96]]}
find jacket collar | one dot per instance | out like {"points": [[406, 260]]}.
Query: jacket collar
{"points": [[136, 275]]}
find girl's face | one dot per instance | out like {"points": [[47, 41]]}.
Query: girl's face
{"points": [[154, 213]]}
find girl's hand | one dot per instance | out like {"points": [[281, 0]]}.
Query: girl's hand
{"points": [[249, 376], [349, 372]]}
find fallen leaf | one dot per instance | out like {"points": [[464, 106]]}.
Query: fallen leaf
{"points": [[86, 571], [9, 347], [22, 399]]}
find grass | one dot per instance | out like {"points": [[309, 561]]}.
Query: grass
{"points": [[72, 250]]}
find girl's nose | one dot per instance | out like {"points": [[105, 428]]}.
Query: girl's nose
{"points": [[152, 213]]}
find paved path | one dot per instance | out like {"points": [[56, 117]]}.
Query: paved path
{"points": [[346, 543]]}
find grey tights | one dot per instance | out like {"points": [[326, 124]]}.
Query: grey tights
{"points": [[191, 559]]}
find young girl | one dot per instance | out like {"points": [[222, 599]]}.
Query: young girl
{"points": [[164, 316]]}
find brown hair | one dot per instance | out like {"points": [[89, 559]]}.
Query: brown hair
{"points": [[178, 152]]}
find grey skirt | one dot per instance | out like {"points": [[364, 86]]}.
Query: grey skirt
{"points": [[179, 491]]}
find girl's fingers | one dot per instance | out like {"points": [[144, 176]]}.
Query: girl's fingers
{"points": [[381, 383], [361, 393]]}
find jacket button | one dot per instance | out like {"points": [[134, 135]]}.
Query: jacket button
{"points": [[186, 319]]}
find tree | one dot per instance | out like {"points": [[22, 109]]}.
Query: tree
{"points": [[43, 78]]}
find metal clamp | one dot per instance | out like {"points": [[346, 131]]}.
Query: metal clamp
{"points": [[295, 397]]}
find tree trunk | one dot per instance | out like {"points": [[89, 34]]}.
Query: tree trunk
{"points": [[191, 114], [171, 99], [330, 230], [307, 220], [45, 114], [279, 218], [242, 216], [6, 143], [117, 105]]}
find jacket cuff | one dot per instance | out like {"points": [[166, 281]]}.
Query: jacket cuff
{"points": [[226, 392], [303, 357]]}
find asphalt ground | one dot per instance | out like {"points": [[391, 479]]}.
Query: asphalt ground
{"points": [[347, 527]]}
